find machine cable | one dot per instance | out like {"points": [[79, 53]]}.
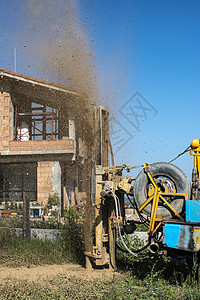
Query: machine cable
{"points": [[132, 252], [119, 231], [128, 168], [142, 218], [186, 150], [135, 251]]}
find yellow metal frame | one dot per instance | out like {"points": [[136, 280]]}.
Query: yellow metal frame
{"points": [[158, 195], [196, 153]]}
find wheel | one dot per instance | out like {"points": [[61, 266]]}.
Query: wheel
{"points": [[170, 179]]}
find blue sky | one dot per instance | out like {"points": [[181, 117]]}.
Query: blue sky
{"points": [[151, 47]]}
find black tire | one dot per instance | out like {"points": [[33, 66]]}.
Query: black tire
{"points": [[173, 173]]}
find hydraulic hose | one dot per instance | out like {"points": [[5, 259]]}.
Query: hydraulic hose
{"points": [[117, 215], [142, 219]]}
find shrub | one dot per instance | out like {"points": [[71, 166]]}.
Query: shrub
{"points": [[73, 240], [53, 200]]}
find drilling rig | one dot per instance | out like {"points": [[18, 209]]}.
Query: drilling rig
{"points": [[163, 198]]}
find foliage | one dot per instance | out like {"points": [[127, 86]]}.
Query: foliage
{"points": [[14, 207], [19, 251], [50, 223], [17, 222], [35, 203], [117, 286], [142, 277], [11, 222], [70, 246], [142, 227], [53, 200], [71, 213], [73, 240], [126, 259]]}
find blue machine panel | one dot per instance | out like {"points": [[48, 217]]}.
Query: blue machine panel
{"points": [[178, 236], [192, 210]]}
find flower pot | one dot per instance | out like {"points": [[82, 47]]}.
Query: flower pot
{"points": [[5, 214]]}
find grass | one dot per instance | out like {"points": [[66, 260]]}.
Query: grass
{"points": [[143, 277], [19, 251], [124, 286]]}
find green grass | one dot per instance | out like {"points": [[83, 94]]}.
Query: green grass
{"points": [[124, 286], [143, 277], [18, 251]]}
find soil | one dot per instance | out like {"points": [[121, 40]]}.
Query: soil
{"points": [[39, 274]]}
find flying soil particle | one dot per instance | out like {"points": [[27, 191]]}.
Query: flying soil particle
{"points": [[57, 41], [56, 44]]}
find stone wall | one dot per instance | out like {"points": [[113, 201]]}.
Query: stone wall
{"points": [[44, 181], [6, 110], [41, 145]]}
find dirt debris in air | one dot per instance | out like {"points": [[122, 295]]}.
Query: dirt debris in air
{"points": [[55, 39], [56, 44]]}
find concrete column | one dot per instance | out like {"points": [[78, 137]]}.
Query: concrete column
{"points": [[57, 177], [72, 135]]}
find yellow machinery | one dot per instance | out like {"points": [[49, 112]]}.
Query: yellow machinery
{"points": [[162, 192]]}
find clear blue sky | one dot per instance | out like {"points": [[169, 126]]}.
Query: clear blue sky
{"points": [[151, 47]]}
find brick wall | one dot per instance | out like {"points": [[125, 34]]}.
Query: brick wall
{"points": [[41, 145], [5, 120], [6, 128], [44, 181]]}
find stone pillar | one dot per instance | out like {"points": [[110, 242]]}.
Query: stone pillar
{"points": [[57, 178], [44, 181], [6, 110]]}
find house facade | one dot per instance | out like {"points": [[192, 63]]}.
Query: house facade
{"points": [[51, 138]]}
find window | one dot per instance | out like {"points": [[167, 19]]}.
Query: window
{"points": [[18, 181], [41, 123], [44, 122]]}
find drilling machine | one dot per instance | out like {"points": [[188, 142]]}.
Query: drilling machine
{"points": [[162, 196]]}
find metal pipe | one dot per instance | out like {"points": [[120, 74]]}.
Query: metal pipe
{"points": [[154, 248]]}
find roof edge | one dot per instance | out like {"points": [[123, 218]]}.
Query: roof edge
{"points": [[43, 83]]}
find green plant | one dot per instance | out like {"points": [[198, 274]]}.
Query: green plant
{"points": [[72, 213], [54, 213], [16, 222], [11, 207], [72, 236], [53, 200], [35, 203], [6, 206]]}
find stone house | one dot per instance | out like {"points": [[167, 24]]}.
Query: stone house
{"points": [[51, 137]]}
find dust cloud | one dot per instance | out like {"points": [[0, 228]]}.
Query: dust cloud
{"points": [[54, 36], [57, 47]]}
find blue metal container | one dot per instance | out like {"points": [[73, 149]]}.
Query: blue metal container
{"points": [[178, 236], [192, 211], [182, 236]]}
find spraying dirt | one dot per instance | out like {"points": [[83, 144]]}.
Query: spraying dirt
{"points": [[55, 41], [53, 34]]}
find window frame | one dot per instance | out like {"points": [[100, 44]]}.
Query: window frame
{"points": [[7, 190]]}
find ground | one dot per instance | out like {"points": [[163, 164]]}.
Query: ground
{"points": [[66, 281], [41, 273]]}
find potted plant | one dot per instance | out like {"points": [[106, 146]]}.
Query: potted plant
{"points": [[53, 203]]}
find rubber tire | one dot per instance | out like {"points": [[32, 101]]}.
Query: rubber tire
{"points": [[171, 171]]}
